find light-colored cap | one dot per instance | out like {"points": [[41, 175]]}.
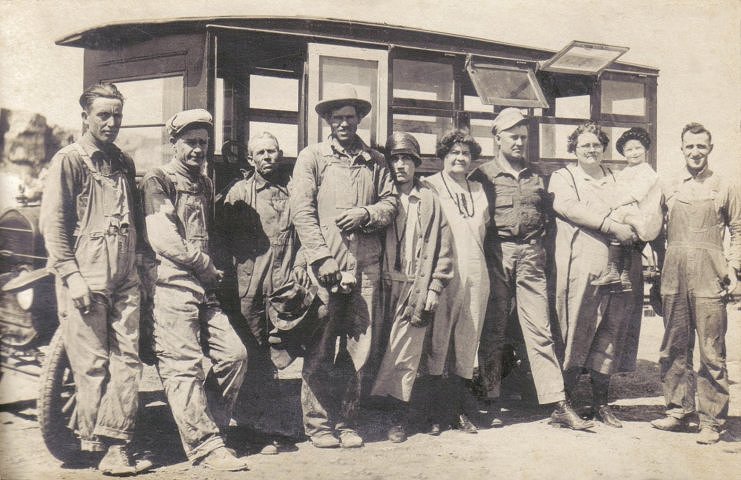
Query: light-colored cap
{"points": [[402, 142], [507, 118], [181, 120], [340, 96]]}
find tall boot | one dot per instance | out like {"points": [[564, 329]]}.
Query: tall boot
{"points": [[611, 276], [627, 262], [600, 390]]}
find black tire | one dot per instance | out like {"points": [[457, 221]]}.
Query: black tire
{"points": [[57, 403]]}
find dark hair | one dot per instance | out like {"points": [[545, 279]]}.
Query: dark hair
{"points": [[445, 144], [99, 90], [589, 127], [635, 133], [696, 128]]}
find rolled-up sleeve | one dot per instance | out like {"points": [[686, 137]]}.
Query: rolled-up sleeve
{"points": [[566, 204], [303, 192], [162, 231], [58, 214]]}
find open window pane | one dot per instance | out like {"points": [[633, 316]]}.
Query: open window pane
{"points": [[426, 129], [583, 58], [286, 134], [274, 93], [623, 98], [151, 101], [423, 80], [553, 140], [506, 86], [148, 146], [481, 131]]}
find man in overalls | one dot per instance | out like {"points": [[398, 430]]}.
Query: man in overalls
{"points": [[342, 194], [188, 322], [90, 218], [700, 205]]}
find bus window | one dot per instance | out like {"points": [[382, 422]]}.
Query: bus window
{"points": [[420, 80], [481, 131], [623, 98], [553, 140], [365, 69], [425, 129], [147, 106]]}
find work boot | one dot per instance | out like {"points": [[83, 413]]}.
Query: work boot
{"points": [[670, 424], [565, 416], [465, 425], [324, 439], [708, 436], [118, 461], [222, 459], [611, 276], [349, 438], [397, 434], [604, 414]]}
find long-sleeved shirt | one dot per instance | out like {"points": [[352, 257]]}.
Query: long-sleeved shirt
{"points": [[61, 205], [261, 238], [519, 203], [328, 180], [177, 205]]}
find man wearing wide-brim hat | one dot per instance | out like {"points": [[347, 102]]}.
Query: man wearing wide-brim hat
{"points": [[341, 195]]}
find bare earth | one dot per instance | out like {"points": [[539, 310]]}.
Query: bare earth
{"points": [[526, 448]]}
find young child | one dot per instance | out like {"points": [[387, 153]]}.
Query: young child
{"points": [[635, 199]]}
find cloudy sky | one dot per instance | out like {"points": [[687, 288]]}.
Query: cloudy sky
{"points": [[695, 43]]}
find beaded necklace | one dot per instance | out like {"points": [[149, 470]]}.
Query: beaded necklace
{"points": [[461, 202]]}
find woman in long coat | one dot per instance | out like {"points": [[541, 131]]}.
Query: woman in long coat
{"points": [[598, 326], [460, 315]]}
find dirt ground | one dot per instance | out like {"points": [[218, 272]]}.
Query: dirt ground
{"points": [[525, 448]]}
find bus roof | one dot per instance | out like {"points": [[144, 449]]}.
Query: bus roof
{"points": [[114, 35]]}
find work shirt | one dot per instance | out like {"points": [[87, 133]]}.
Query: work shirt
{"points": [[64, 201], [327, 180], [699, 208], [260, 238], [177, 206], [518, 202]]}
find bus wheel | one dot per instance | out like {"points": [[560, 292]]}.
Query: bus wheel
{"points": [[56, 404]]}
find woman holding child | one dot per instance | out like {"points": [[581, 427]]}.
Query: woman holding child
{"points": [[598, 322]]}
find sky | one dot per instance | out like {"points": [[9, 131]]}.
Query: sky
{"points": [[696, 44]]}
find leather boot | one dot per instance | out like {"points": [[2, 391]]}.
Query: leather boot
{"points": [[600, 390], [565, 416], [625, 270], [611, 276]]}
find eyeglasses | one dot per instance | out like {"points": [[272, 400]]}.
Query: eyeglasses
{"points": [[591, 146]]}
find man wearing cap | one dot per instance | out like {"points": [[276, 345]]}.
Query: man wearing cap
{"points": [[417, 264], [520, 211], [90, 217], [342, 194], [177, 205], [696, 278]]}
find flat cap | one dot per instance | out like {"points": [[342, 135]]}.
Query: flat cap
{"points": [[508, 118], [181, 120]]}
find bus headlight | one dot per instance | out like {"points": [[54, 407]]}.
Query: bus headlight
{"points": [[25, 298]]}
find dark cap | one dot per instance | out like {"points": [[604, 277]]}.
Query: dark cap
{"points": [[400, 143]]}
